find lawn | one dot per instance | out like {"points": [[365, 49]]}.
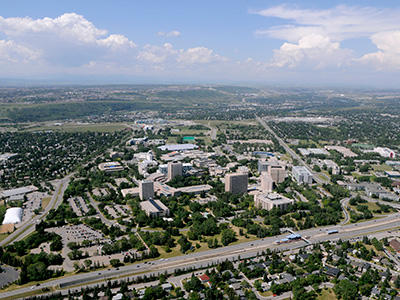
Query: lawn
{"points": [[327, 294], [381, 168]]}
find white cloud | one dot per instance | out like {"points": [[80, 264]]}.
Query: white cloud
{"points": [[156, 54], [315, 36], [317, 50], [388, 54], [198, 55], [173, 33], [11, 52]]}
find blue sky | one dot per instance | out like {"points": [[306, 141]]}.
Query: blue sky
{"points": [[262, 42]]}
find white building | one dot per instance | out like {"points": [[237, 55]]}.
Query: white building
{"points": [[302, 175], [13, 215], [385, 152], [154, 208]]}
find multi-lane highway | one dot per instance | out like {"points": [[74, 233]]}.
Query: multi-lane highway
{"points": [[202, 259], [291, 152]]}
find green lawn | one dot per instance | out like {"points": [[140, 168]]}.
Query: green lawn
{"points": [[327, 294]]}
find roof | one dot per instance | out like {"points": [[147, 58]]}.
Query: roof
{"points": [[204, 277], [13, 215], [18, 191], [178, 147], [395, 244], [153, 206]]}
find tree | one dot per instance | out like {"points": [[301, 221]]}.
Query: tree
{"points": [[115, 262], [346, 289], [228, 236], [87, 263]]}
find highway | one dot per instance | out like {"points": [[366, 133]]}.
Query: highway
{"points": [[233, 252], [29, 226], [292, 153]]}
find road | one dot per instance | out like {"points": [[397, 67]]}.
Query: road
{"points": [[344, 203], [233, 252], [291, 152], [29, 226]]}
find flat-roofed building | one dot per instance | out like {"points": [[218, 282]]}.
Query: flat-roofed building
{"points": [[267, 182], [302, 175], [269, 201], [13, 215], [154, 208], [134, 192], [277, 172], [236, 183], [146, 189], [112, 166], [174, 169], [195, 189]]}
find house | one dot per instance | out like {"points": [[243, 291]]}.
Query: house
{"points": [[204, 278], [395, 244], [166, 286], [332, 272]]}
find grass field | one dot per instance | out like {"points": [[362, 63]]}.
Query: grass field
{"points": [[327, 294], [75, 127], [381, 168]]}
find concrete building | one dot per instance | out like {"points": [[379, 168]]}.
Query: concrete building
{"points": [[146, 189], [277, 172], [154, 208], [267, 183], [236, 183], [174, 169], [112, 166], [262, 166], [302, 175], [269, 201]]}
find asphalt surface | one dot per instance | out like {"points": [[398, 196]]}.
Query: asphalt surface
{"points": [[233, 252]]}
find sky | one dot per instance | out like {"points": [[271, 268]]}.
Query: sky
{"points": [[264, 42]]}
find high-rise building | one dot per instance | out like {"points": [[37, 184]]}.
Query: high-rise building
{"points": [[267, 182], [146, 189], [236, 183], [174, 169], [277, 172], [262, 166], [302, 175]]}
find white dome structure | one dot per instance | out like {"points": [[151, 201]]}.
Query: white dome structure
{"points": [[13, 215]]}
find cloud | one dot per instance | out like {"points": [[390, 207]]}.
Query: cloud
{"points": [[11, 52], [69, 39], [198, 55], [388, 55], [156, 54], [315, 35], [316, 49], [173, 33]]}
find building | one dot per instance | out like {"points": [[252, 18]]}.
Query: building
{"points": [[13, 215], [195, 189], [236, 183], [267, 183], [269, 201], [178, 147], [262, 166], [277, 172], [385, 152], [146, 189], [395, 244], [174, 169], [112, 166], [154, 208], [22, 191], [330, 164], [134, 192], [302, 175]]}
